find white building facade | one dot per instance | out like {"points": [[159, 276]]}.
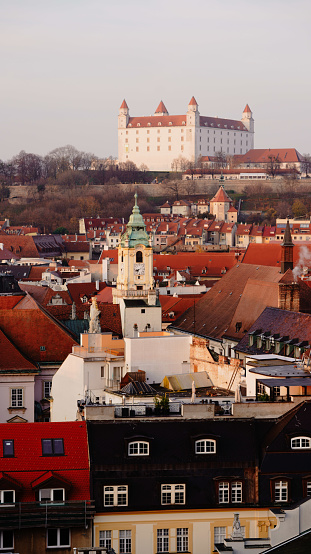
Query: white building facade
{"points": [[157, 140]]}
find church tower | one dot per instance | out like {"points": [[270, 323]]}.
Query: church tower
{"points": [[287, 250], [135, 293]]}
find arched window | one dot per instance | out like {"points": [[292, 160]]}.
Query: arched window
{"points": [[300, 442], [139, 257], [205, 446], [138, 448]]}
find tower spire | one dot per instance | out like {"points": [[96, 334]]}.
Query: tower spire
{"points": [[287, 250]]}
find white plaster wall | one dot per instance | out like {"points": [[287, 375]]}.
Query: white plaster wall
{"points": [[67, 388], [26, 382], [152, 315], [158, 356]]}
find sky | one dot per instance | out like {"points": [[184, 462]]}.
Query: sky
{"points": [[67, 65]]}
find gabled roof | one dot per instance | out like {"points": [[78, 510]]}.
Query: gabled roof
{"points": [[79, 290], [270, 254], [221, 196], [213, 262], [263, 155], [214, 312]]}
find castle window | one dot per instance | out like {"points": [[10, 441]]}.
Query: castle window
{"points": [[137, 132], [148, 149], [139, 257], [158, 148]]}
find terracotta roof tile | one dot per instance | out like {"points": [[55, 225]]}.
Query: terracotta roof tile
{"points": [[247, 109], [11, 358], [221, 196], [193, 102], [284, 155], [124, 105], [161, 108]]}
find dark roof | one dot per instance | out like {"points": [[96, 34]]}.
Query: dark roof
{"points": [[282, 322], [301, 544], [138, 387]]}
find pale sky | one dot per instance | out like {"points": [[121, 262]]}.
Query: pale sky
{"points": [[66, 66]]}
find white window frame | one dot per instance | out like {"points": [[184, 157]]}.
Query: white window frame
{"points": [[116, 492], [205, 446], [163, 540], [17, 397], [105, 539], [2, 502], [138, 448], [223, 492], [173, 494], [47, 386], [304, 443], [281, 491], [58, 545], [125, 541], [182, 542], [51, 499], [236, 492], [219, 534], [1, 540]]}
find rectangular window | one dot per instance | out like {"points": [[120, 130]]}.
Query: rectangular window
{"points": [[173, 494], [7, 497], [148, 149], [6, 540], [17, 398], [125, 541], [158, 139], [47, 386], [8, 448], [170, 148], [162, 540], [52, 447], [52, 495], [148, 139], [105, 539], [281, 491], [182, 539], [169, 139], [219, 535], [137, 149], [158, 148], [58, 537], [223, 493], [115, 495], [236, 492], [308, 488]]}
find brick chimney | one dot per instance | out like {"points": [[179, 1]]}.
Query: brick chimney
{"points": [[289, 297]]}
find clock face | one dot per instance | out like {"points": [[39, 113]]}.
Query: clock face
{"points": [[139, 269]]}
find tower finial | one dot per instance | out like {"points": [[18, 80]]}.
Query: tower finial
{"points": [[135, 196]]}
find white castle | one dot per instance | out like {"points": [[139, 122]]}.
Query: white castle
{"points": [[157, 140]]}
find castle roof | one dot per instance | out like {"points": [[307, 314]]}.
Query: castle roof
{"points": [[124, 105], [247, 109], [161, 108], [221, 196], [193, 102], [135, 232], [179, 120]]}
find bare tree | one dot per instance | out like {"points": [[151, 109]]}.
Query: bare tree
{"points": [[220, 160], [273, 165], [179, 164], [306, 164]]}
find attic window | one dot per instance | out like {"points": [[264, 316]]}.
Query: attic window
{"points": [[138, 124], [159, 123], [130, 124], [226, 126], [170, 123], [218, 125], [8, 448], [238, 326], [183, 123], [52, 447], [42, 348], [149, 124], [300, 443], [212, 124]]}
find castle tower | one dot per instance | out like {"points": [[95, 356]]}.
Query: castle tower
{"points": [[287, 250], [124, 115], [193, 114], [247, 119], [135, 292]]}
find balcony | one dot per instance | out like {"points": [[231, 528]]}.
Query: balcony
{"points": [[39, 514]]}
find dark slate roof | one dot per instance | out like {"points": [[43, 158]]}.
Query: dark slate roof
{"points": [[138, 387], [300, 544], [277, 321], [19, 271], [76, 326]]}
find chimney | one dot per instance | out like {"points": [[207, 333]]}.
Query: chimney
{"points": [[289, 297], [97, 285], [135, 331]]}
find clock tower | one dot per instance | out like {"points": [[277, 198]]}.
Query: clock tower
{"points": [[135, 293]]}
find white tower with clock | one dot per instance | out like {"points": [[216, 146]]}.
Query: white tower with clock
{"points": [[135, 293]]}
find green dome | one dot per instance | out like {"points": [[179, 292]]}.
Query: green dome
{"points": [[136, 229]]}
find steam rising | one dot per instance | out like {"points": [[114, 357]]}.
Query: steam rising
{"points": [[303, 261]]}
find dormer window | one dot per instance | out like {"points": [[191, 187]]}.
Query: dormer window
{"points": [[205, 446], [300, 443], [138, 124], [130, 124], [52, 447], [184, 123], [170, 123], [159, 123], [52, 495], [149, 124], [7, 497], [138, 448], [8, 448]]}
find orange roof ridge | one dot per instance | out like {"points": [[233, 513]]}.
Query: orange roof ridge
{"points": [[124, 105], [161, 108], [221, 196], [193, 102], [247, 109]]}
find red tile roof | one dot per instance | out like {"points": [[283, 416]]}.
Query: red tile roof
{"points": [[29, 467], [11, 358], [154, 120], [78, 290], [193, 102], [112, 254], [161, 108], [247, 109], [217, 122], [124, 105], [262, 155], [213, 262], [270, 254], [21, 245], [221, 196], [232, 209], [31, 328]]}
